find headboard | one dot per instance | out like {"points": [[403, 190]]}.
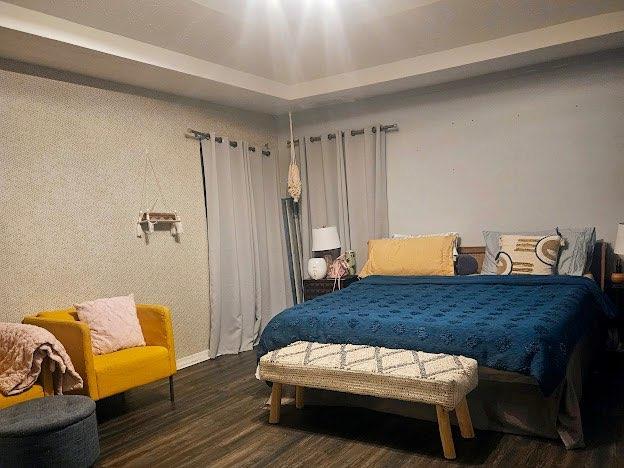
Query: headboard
{"points": [[599, 263], [477, 252], [597, 269]]}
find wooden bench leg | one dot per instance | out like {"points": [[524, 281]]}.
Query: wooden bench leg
{"points": [[299, 397], [465, 423], [276, 403], [446, 436]]}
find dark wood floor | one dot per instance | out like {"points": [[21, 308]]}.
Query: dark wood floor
{"points": [[220, 420]]}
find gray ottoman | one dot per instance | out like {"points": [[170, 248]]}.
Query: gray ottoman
{"points": [[51, 431]]}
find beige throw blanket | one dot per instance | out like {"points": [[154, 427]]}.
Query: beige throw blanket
{"points": [[24, 349]]}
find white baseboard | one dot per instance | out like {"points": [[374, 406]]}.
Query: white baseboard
{"points": [[193, 359]]}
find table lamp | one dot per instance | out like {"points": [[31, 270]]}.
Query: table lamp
{"points": [[618, 250], [325, 242]]}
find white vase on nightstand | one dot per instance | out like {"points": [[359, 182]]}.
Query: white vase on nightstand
{"points": [[317, 268]]}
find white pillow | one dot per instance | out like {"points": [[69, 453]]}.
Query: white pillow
{"points": [[113, 322], [409, 236]]}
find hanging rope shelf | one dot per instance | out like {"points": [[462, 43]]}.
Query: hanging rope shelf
{"points": [[149, 219]]}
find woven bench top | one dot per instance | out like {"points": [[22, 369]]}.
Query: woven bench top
{"points": [[440, 379]]}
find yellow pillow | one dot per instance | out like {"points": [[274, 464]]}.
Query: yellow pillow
{"points": [[416, 256]]}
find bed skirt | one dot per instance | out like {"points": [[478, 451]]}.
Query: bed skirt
{"points": [[503, 401]]}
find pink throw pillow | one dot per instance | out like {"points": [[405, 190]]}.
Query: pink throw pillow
{"points": [[113, 322]]}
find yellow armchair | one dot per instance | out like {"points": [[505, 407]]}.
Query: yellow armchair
{"points": [[108, 374], [43, 387]]}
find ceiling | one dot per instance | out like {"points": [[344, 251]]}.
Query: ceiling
{"points": [[272, 55]]}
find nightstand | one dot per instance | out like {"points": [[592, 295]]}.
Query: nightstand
{"points": [[616, 293], [313, 288]]}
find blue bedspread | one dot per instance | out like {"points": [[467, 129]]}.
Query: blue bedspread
{"points": [[525, 324]]}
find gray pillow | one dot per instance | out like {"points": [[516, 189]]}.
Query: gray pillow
{"points": [[466, 265], [492, 247], [576, 255]]}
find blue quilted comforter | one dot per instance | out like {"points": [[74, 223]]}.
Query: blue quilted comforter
{"points": [[524, 324]]}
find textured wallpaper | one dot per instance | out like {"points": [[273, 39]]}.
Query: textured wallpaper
{"points": [[71, 172]]}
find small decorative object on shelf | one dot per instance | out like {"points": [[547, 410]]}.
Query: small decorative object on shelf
{"points": [[618, 250], [149, 220], [313, 288]]}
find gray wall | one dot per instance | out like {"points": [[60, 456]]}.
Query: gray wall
{"points": [[529, 149], [71, 172], [511, 151]]}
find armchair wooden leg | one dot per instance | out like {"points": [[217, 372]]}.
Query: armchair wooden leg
{"points": [[171, 393], [299, 397], [446, 436], [463, 418], [276, 403]]}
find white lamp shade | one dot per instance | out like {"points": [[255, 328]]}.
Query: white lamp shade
{"points": [[618, 248], [325, 238]]}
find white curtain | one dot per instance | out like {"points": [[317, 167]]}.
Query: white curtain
{"points": [[367, 198], [344, 185], [247, 284], [318, 206]]}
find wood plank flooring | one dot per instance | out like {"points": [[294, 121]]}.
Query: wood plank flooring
{"points": [[220, 419]]}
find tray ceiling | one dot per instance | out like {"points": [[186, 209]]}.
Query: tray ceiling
{"points": [[302, 52]]}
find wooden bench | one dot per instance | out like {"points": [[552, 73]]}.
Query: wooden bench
{"points": [[438, 379]]}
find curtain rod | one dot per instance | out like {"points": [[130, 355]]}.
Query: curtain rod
{"points": [[197, 135], [330, 136]]}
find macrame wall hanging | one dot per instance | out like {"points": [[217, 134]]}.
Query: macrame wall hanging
{"points": [[149, 219]]}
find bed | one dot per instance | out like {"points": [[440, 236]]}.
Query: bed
{"points": [[533, 337]]}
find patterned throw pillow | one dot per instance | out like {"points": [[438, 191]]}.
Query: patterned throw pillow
{"points": [[492, 246], [528, 255]]}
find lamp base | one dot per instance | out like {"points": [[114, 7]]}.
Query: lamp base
{"points": [[317, 268], [328, 255]]}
